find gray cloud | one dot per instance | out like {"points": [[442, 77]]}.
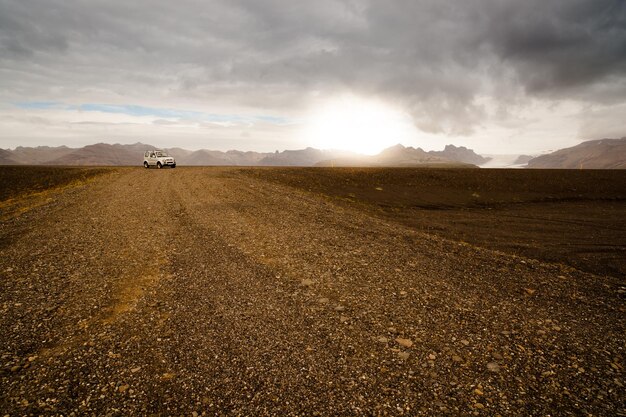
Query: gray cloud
{"points": [[436, 59], [563, 47]]}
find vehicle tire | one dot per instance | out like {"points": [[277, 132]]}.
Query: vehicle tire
{"points": [[145, 164], [159, 165], [174, 166]]}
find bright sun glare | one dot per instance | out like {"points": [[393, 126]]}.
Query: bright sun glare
{"points": [[353, 124]]}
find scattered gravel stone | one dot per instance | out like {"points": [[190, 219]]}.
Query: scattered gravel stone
{"points": [[493, 367], [407, 343]]}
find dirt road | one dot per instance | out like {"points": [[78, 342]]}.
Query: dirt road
{"points": [[205, 291]]}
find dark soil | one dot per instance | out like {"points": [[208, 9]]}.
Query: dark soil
{"points": [[20, 180], [566, 216]]}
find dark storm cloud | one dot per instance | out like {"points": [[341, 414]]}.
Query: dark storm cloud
{"points": [[559, 46], [435, 58]]}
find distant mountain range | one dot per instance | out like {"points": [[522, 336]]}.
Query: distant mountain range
{"points": [[593, 154], [124, 155], [401, 156]]}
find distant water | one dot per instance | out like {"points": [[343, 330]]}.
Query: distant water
{"points": [[502, 161]]}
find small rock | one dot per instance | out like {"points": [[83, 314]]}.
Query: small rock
{"points": [[135, 369], [323, 300], [407, 343], [306, 282], [383, 339], [343, 319], [122, 388], [403, 293], [457, 358], [194, 414], [479, 406], [478, 392], [340, 308], [32, 358], [465, 342], [529, 291], [493, 367], [404, 355], [432, 357], [15, 368]]}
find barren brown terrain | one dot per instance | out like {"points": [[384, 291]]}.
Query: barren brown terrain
{"points": [[573, 217], [229, 291]]}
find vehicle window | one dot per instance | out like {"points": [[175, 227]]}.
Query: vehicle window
{"points": [[152, 155]]}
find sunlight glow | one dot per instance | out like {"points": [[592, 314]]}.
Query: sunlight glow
{"points": [[354, 124]]}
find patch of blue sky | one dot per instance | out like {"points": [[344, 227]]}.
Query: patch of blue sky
{"points": [[39, 105], [134, 110], [141, 111], [277, 120]]}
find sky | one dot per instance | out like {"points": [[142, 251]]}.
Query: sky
{"points": [[497, 76]]}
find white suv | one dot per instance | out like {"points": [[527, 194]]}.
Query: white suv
{"points": [[158, 158]]}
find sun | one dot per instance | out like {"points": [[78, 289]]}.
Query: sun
{"points": [[359, 125]]}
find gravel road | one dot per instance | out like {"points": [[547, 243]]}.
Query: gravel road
{"points": [[204, 291]]}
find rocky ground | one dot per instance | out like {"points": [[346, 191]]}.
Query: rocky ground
{"points": [[206, 291]]}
